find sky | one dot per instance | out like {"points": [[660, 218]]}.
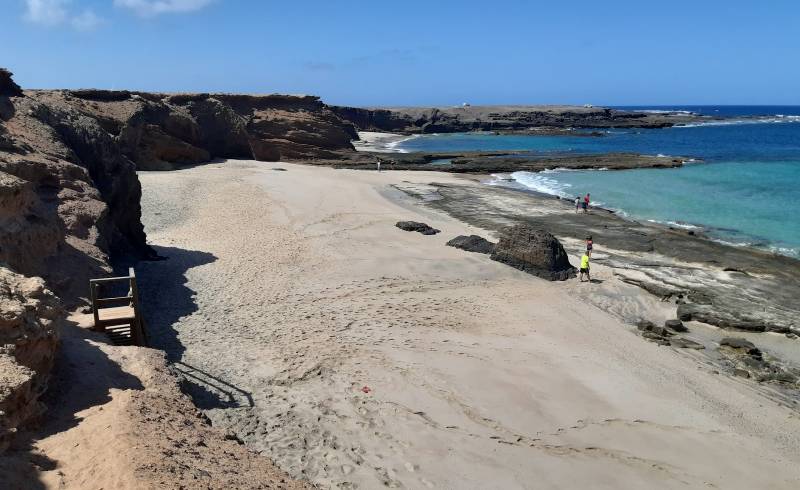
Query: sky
{"points": [[434, 52]]}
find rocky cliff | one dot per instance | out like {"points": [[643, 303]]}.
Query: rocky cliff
{"points": [[413, 120], [163, 131], [28, 319], [69, 198]]}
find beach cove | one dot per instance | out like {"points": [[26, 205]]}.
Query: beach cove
{"points": [[364, 355]]}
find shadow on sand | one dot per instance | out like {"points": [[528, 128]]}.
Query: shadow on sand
{"points": [[82, 377], [165, 298]]}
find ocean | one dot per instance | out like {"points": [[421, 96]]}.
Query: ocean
{"points": [[741, 189]]}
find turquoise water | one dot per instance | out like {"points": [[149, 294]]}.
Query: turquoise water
{"points": [[744, 191]]}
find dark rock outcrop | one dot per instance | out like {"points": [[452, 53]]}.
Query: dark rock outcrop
{"points": [[472, 243], [682, 343], [665, 335], [417, 226], [676, 325], [28, 339], [8, 87], [708, 313], [737, 343], [502, 118], [748, 361], [534, 251], [473, 162]]}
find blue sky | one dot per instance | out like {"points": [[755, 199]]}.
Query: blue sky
{"points": [[415, 52]]}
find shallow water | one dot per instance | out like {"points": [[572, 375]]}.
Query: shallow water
{"points": [[743, 191]]}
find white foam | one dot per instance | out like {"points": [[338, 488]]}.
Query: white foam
{"points": [[393, 146], [677, 224], [733, 122], [665, 111], [540, 182], [791, 252]]}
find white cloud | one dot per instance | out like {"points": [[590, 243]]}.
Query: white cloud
{"points": [[56, 12], [46, 12], [86, 21], [156, 7]]}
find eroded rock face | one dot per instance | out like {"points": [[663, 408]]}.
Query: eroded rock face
{"points": [[534, 251], [69, 199], [28, 339], [163, 132]]}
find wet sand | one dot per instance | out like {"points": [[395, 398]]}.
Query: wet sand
{"points": [[356, 354]]}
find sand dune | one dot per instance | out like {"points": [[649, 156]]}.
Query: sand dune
{"points": [[358, 355]]}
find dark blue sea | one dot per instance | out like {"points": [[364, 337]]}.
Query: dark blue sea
{"points": [[742, 188]]}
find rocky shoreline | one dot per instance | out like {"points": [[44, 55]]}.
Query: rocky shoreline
{"points": [[419, 120], [730, 287], [741, 291], [500, 161]]}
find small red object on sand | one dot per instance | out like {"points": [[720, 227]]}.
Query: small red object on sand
{"points": [[366, 389]]}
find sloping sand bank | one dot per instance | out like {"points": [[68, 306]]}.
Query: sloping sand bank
{"points": [[356, 354], [117, 419]]}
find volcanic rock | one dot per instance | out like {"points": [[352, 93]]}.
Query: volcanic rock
{"points": [[737, 343], [707, 313], [676, 325], [533, 251], [472, 243], [646, 325], [417, 226], [502, 118], [682, 343]]}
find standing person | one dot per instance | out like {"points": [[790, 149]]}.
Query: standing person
{"points": [[577, 203], [585, 268], [589, 244], [586, 203], [379, 164]]}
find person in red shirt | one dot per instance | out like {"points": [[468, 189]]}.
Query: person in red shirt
{"points": [[586, 203]]}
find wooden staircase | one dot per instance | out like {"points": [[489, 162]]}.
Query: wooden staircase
{"points": [[118, 316]]}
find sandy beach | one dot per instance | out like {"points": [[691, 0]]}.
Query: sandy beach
{"points": [[354, 354]]}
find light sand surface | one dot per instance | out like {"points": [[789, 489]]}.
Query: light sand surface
{"points": [[358, 355]]}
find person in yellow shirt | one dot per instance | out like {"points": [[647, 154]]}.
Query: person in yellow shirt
{"points": [[585, 267]]}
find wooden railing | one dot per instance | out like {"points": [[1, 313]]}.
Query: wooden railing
{"points": [[118, 311]]}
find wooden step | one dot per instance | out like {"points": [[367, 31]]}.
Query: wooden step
{"points": [[119, 313], [120, 334]]}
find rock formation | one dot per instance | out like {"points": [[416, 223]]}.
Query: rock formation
{"points": [[748, 361], [161, 131], [7, 85], [28, 338], [413, 120], [417, 226], [533, 251], [69, 199], [472, 243]]}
